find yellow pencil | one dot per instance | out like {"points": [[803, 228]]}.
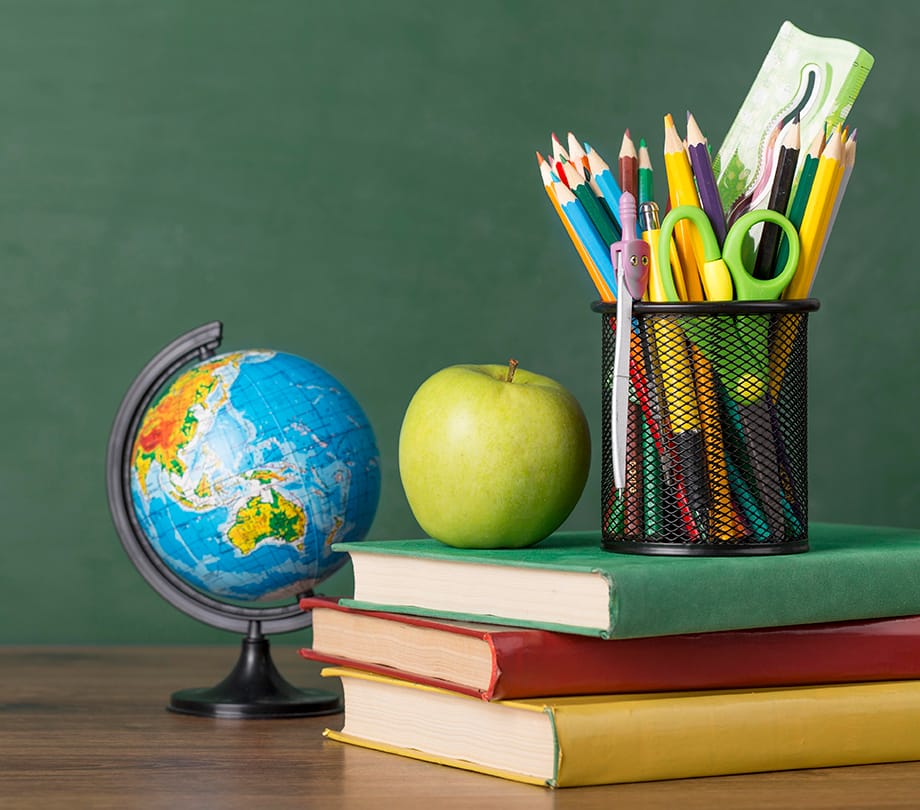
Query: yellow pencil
{"points": [[849, 160], [602, 288], [817, 216], [682, 191], [651, 227]]}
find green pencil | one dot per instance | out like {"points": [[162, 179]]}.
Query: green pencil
{"points": [[800, 194], [646, 175], [598, 215]]}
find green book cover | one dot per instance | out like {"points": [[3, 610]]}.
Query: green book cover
{"points": [[849, 572]]}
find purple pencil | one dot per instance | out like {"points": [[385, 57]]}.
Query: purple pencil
{"points": [[701, 163]]}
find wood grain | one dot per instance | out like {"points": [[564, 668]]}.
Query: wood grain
{"points": [[87, 727]]}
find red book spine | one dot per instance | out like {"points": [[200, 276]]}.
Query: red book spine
{"points": [[539, 663]]}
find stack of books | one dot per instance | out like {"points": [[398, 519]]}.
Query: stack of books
{"points": [[564, 664]]}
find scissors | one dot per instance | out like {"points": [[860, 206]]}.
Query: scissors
{"points": [[741, 357]]}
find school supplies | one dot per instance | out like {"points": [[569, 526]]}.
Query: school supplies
{"points": [[814, 78]]}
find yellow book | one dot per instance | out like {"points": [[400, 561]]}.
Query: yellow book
{"points": [[607, 739]]}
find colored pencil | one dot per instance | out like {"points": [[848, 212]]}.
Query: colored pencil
{"points": [[765, 262], [700, 162], [560, 156], [575, 180], [817, 216], [628, 164], [682, 191], [602, 182], [801, 190], [600, 283], [577, 153], [645, 174], [849, 159], [587, 233]]}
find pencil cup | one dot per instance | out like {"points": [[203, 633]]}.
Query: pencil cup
{"points": [[715, 429]]}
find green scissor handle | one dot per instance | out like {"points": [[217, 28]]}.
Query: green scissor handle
{"points": [[748, 288], [724, 268]]}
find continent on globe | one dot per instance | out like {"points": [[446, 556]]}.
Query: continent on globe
{"points": [[279, 519], [246, 469]]}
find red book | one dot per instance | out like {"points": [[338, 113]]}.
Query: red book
{"points": [[496, 662]]}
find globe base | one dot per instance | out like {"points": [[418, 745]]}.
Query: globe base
{"points": [[254, 689]]}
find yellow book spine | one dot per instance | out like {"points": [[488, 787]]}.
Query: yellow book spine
{"points": [[648, 737]]}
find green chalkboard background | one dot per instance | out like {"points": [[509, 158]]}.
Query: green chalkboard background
{"points": [[355, 182]]}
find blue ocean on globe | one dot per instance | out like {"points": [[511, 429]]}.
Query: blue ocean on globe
{"points": [[246, 470]]}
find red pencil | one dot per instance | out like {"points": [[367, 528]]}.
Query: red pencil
{"points": [[560, 156]]}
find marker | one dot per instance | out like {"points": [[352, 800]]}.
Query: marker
{"points": [[665, 448], [682, 413], [725, 523]]}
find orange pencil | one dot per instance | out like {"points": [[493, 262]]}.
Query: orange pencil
{"points": [[603, 289]]}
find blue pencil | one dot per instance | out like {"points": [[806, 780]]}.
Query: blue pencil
{"points": [[604, 183], [598, 251]]}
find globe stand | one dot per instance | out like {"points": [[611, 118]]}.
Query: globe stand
{"points": [[254, 688]]}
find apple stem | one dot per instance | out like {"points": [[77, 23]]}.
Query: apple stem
{"points": [[512, 365]]}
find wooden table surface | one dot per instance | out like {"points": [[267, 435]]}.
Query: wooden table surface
{"points": [[87, 727]]}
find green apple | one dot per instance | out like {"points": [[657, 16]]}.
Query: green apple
{"points": [[493, 456]]}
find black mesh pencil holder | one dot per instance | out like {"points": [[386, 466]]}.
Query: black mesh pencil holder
{"points": [[716, 456]]}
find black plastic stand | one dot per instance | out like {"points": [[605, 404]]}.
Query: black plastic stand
{"points": [[254, 689]]}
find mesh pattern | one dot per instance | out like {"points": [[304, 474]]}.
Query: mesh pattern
{"points": [[716, 442]]}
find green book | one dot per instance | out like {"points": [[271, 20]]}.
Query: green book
{"points": [[568, 583]]}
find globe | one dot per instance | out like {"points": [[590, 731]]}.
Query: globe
{"points": [[248, 468], [229, 478]]}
